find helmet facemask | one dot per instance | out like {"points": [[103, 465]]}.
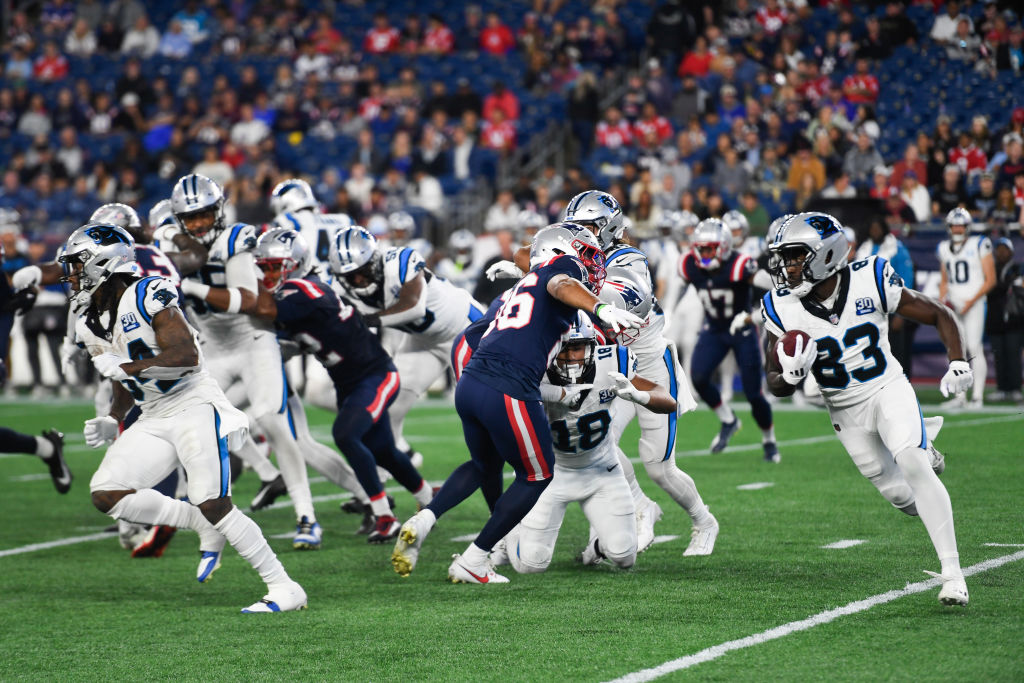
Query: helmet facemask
{"points": [[366, 279], [790, 268], [574, 363], [205, 224], [710, 255], [594, 260], [276, 270]]}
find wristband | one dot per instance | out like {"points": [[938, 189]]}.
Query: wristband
{"points": [[196, 289], [643, 396], [234, 300], [598, 305]]}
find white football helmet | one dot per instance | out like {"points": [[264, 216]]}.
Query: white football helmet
{"points": [[293, 194], [461, 241], [959, 216], [623, 289], [92, 254], [356, 261], [281, 254], [575, 240], [737, 223], [600, 213], [813, 240], [401, 227], [773, 229], [195, 195], [563, 370], [121, 215], [161, 215], [712, 243]]}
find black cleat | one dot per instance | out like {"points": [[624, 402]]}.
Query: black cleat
{"points": [[268, 493], [719, 443], [59, 471], [771, 452], [354, 507], [384, 529]]}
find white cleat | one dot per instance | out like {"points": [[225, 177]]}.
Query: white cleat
{"points": [[702, 539], [499, 554], [288, 597], [461, 573], [956, 403], [954, 589], [209, 562], [410, 539], [646, 518]]}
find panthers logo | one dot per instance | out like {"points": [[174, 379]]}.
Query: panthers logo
{"points": [[105, 234], [824, 225], [609, 202], [165, 297]]}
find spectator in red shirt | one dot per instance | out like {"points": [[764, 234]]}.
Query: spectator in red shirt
{"points": [[498, 134], [772, 17], [861, 87], [967, 156], [439, 39], [51, 66], [504, 99], [325, 38], [911, 161], [650, 122], [383, 37], [614, 132], [496, 38], [697, 61]]}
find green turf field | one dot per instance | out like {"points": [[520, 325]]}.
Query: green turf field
{"points": [[87, 611]]}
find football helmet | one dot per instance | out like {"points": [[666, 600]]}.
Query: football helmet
{"points": [[161, 215], [773, 229], [92, 254], [623, 289], [959, 216], [736, 221], [600, 213], [197, 197], [712, 243], [461, 242], [281, 254], [293, 194], [668, 224], [569, 366], [121, 215], [356, 261], [401, 227], [568, 238], [813, 241]]}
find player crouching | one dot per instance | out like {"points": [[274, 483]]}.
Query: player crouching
{"points": [[845, 311], [579, 399]]}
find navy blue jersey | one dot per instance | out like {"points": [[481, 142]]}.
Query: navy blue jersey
{"points": [[152, 261], [519, 344], [6, 316], [724, 291], [311, 314]]}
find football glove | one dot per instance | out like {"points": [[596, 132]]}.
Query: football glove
{"points": [[569, 395], [796, 367], [26, 277], [958, 378], [502, 270], [739, 322], [68, 351], [624, 389], [617, 319], [100, 431], [109, 365]]}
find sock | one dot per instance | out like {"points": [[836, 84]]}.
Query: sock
{"points": [[246, 538], [680, 486], [724, 413], [379, 505], [44, 447], [147, 506], [424, 495], [933, 506], [251, 455], [768, 435], [427, 513], [289, 458], [474, 556]]}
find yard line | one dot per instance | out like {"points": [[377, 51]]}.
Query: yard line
{"points": [[825, 617], [58, 543], [845, 543]]}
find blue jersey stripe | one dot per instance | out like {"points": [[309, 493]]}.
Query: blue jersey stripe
{"points": [[403, 263], [140, 298], [673, 388], [474, 313], [222, 453], [769, 308], [234, 235], [879, 271], [623, 360], [294, 222], [625, 250], [284, 392], [924, 434]]}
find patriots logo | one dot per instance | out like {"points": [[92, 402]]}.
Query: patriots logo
{"points": [[630, 296], [823, 225], [865, 305], [128, 322]]}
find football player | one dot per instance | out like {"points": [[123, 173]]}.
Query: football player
{"points": [[458, 266], [364, 377], [579, 399], [723, 279], [296, 207], [871, 404], [498, 395], [241, 348], [137, 336], [968, 274]]}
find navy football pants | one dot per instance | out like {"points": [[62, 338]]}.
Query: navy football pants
{"points": [[708, 354]]}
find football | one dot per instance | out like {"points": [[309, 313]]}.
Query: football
{"points": [[788, 343]]}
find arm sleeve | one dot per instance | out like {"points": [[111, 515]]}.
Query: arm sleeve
{"points": [[770, 316], [240, 271], [984, 246], [156, 295], [409, 264], [762, 279], [890, 284]]}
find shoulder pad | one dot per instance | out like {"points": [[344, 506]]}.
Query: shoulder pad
{"points": [[241, 237]]}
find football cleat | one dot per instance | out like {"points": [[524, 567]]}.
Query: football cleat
{"points": [[771, 452], [937, 460], [702, 539], [209, 562], [287, 598], [719, 443], [354, 507], [130, 534], [460, 573], [268, 493], [155, 542], [384, 529], [646, 518], [410, 539], [307, 535], [59, 471], [592, 554], [954, 589], [499, 554]]}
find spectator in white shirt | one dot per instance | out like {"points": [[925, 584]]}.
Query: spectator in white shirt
{"points": [[503, 214], [81, 41], [215, 168], [916, 196], [840, 189], [944, 28], [249, 131], [142, 40], [425, 192], [359, 185]]}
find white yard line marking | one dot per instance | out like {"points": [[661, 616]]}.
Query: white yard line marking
{"points": [[464, 538], [1005, 545], [756, 485], [30, 477], [846, 543], [825, 617], [665, 539], [58, 543]]}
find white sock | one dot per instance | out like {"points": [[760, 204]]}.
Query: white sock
{"points": [[246, 538], [768, 435], [147, 506], [979, 368], [429, 515], [680, 486], [379, 505], [44, 447], [724, 413], [261, 465], [933, 506], [474, 556], [640, 499], [425, 494], [291, 462]]}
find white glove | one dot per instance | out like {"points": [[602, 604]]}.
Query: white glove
{"points": [[29, 276], [571, 394], [796, 367], [957, 379], [100, 431], [190, 287], [739, 322], [503, 269], [616, 318], [109, 365], [624, 389], [68, 351]]}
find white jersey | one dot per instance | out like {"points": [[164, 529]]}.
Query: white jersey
{"points": [[318, 229], [163, 238], [449, 309], [132, 336], [464, 276], [648, 343], [579, 435], [753, 246], [854, 359], [963, 266], [220, 329]]}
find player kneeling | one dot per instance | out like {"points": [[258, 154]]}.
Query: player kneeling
{"points": [[585, 380]]}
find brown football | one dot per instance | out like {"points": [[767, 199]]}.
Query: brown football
{"points": [[788, 343]]}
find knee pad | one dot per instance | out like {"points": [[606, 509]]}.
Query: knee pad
{"points": [[529, 558], [622, 561], [899, 494]]}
